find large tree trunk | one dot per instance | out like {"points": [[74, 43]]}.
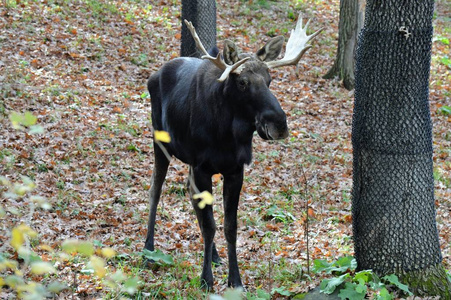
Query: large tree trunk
{"points": [[350, 24], [393, 194], [202, 13]]}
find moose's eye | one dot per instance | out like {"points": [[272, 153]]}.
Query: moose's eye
{"points": [[243, 83]]}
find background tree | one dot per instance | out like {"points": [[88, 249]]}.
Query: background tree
{"points": [[350, 24], [393, 186], [202, 13]]}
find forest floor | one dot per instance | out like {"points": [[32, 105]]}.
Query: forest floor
{"points": [[81, 68]]}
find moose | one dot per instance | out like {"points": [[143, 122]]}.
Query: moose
{"points": [[211, 108]]}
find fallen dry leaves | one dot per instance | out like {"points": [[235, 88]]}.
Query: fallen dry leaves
{"points": [[83, 71]]}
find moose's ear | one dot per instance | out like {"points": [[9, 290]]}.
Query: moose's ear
{"points": [[271, 50], [230, 52]]}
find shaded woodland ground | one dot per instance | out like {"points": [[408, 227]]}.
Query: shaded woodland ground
{"points": [[81, 67]]}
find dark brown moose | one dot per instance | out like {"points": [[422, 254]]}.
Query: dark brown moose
{"points": [[211, 107]]}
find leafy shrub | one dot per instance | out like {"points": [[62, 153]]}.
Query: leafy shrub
{"points": [[356, 285], [22, 269]]}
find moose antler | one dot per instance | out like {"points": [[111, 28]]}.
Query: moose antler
{"points": [[218, 60], [296, 46]]}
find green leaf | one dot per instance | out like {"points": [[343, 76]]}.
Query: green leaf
{"points": [[14, 281], [328, 286], [233, 294], [443, 40], [132, 147], [230, 294], [444, 110], [361, 287], [446, 61], [376, 283], [281, 291], [29, 119], [352, 291], [131, 285], [118, 276], [158, 257], [56, 287], [346, 262], [28, 255], [320, 265], [36, 129], [393, 279], [16, 120], [85, 248], [69, 246], [365, 276], [42, 267], [341, 265], [262, 294], [384, 295]]}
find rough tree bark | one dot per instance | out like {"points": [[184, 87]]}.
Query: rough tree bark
{"points": [[393, 186], [202, 13], [350, 24]]}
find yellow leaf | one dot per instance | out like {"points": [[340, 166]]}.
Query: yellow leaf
{"points": [[8, 264], [69, 246], [162, 136], [46, 247], [85, 248], [17, 238], [42, 267], [98, 264], [207, 198], [18, 235], [108, 252]]}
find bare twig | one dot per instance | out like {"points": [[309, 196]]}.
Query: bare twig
{"points": [[306, 187]]}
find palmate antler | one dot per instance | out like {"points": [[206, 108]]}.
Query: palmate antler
{"points": [[296, 46], [218, 60]]}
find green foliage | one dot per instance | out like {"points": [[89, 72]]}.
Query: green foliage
{"points": [[25, 121], [341, 265], [259, 295], [446, 61], [280, 215], [281, 291], [443, 40], [230, 294], [444, 110], [356, 285], [158, 257]]}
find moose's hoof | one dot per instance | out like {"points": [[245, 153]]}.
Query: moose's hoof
{"points": [[236, 284], [206, 285], [150, 264], [216, 260]]}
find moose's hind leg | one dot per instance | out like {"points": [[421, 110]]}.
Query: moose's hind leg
{"points": [[206, 223], [159, 173], [215, 255]]}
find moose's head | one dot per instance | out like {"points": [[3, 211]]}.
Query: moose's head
{"points": [[247, 77]]}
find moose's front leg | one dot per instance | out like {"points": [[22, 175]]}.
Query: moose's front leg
{"points": [[202, 181], [232, 188]]}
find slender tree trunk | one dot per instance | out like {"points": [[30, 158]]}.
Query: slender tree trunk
{"points": [[202, 13], [393, 194], [351, 21]]}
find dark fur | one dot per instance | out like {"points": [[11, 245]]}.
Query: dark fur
{"points": [[211, 125]]}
